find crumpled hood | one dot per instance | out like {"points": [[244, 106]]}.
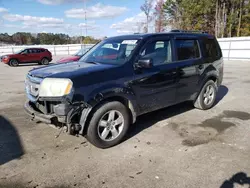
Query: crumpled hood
{"points": [[67, 70]]}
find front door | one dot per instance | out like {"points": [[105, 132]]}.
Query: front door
{"points": [[189, 62], [155, 87]]}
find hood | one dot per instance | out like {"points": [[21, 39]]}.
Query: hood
{"points": [[68, 70], [68, 59]]}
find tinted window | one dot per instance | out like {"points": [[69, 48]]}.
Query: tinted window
{"points": [[158, 51], [32, 51], [187, 49], [42, 50], [211, 48]]}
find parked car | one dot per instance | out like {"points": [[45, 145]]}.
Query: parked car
{"points": [[74, 57], [28, 55], [123, 77]]}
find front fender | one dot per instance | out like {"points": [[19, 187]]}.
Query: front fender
{"points": [[107, 92], [115, 92]]}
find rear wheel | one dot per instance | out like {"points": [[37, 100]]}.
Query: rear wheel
{"points": [[207, 96], [108, 125], [13, 63], [44, 61]]}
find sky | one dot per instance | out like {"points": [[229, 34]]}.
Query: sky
{"points": [[103, 17]]}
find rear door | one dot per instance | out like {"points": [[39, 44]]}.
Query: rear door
{"points": [[189, 63], [37, 54], [34, 55], [155, 87]]}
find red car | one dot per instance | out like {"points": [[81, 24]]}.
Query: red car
{"points": [[28, 55], [74, 57]]}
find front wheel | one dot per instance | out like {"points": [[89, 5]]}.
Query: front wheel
{"points": [[108, 125], [207, 96], [13, 63]]}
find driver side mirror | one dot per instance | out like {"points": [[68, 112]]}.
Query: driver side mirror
{"points": [[144, 63]]}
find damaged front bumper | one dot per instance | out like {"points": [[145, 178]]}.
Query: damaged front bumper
{"points": [[59, 115], [73, 116]]}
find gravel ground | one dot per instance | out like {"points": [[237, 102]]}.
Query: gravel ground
{"points": [[175, 147]]}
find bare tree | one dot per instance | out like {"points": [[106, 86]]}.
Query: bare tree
{"points": [[147, 8], [140, 27], [159, 15]]}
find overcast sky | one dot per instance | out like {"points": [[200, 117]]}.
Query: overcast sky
{"points": [[104, 17]]}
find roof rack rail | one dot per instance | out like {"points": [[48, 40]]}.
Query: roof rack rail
{"points": [[187, 31]]}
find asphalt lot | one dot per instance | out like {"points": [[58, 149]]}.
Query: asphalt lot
{"points": [[175, 147]]}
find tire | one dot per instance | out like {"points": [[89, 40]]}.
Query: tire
{"points": [[13, 63], [105, 129], [44, 61], [207, 96]]}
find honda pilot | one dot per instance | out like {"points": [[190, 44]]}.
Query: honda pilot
{"points": [[123, 77]]}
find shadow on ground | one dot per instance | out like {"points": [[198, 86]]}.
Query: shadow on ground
{"points": [[147, 120], [30, 185], [27, 64], [10, 144], [240, 178], [222, 92]]}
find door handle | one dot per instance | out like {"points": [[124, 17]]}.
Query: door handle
{"points": [[174, 72], [200, 67]]}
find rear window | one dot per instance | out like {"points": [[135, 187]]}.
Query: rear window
{"points": [[187, 49], [211, 48]]}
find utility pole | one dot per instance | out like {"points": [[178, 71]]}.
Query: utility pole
{"points": [[85, 22], [85, 19]]}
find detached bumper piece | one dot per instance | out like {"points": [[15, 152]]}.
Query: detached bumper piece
{"points": [[58, 115], [35, 114]]}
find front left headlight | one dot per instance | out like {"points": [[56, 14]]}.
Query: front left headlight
{"points": [[5, 57], [55, 87]]}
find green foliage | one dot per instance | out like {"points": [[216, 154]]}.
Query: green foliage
{"points": [[21, 38], [89, 40], [219, 17]]}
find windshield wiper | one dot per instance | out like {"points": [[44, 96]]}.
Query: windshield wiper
{"points": [[91, 62]]}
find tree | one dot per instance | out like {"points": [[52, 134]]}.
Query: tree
{"points": [[21, 38], [224, 18], [159, 15], [147, 8]]}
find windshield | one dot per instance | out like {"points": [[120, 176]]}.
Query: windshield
{"points": [[81, 52], [19, 51], [113, 51]]}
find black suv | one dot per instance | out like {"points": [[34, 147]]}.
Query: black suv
{"points": [[123, 77]]}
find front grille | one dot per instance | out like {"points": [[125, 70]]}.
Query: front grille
{"points": [[32, 85]]}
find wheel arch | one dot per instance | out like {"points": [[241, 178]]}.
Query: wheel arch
{"points": [[13, 58], [87, 113], [209, 75]]}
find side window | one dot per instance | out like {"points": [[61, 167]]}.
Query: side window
{"points": [[32, 51], [26, 51], [159, 51], [211, 48], [129, 49], [38, 51], [187, 49]]}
